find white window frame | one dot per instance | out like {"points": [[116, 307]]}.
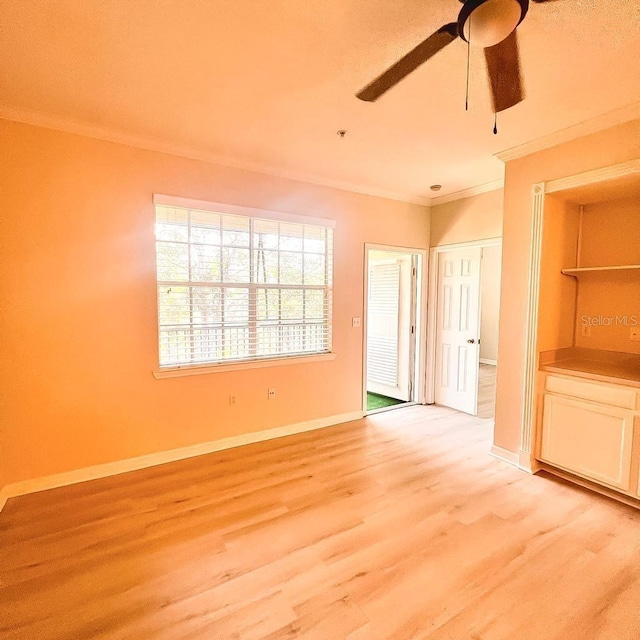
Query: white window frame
{"points": [[178, 370]]}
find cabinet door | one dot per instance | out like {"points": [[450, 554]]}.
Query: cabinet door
{"points": [[588, 439]]}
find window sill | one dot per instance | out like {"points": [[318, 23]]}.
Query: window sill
{"points": [[199, 370]]}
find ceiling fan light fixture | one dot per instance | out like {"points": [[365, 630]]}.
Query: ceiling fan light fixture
{"points": [[485, 23]]}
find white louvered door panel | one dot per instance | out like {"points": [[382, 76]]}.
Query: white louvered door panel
{"points": [[389, 328], [384, 304]]}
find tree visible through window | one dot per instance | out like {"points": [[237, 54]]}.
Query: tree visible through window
{"points": [[233, 287]]}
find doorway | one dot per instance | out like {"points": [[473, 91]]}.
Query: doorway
{"points": [[393, 302], [464, 303]]}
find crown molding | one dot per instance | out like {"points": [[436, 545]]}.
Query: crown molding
{"points": [[117, 136], [593, 125], [467, 193], [604, 174]]}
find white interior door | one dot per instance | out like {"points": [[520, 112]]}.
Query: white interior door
{"points": [[458, 329], [389, 323]]}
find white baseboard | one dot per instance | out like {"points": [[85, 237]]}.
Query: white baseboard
{"points": [[505, 455], [150, 460], [488, 361]]}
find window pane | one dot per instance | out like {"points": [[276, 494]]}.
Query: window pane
{"points": [[291, 236], [313, 268], [236, 306], [173, 305], [290, 268], [175, 346], [205, 227], [235, 265], [268, 340], [172, 231], [235, 231], [314, 239], [314, 305], [172, 261], [266, 266], [265, 234], [208, 344], [171, 224], [205, 263], [267, 304], [207, 305], [291, 304]]}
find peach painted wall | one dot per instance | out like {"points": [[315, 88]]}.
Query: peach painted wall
{"points": [[557, 311], [610, 235], [490, 302], [601, 149], [474, 218], [79, 304]]}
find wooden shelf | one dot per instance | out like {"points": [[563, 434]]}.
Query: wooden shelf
{"points": [[576, 271]]}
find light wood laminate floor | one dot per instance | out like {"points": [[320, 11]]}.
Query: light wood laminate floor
{"points": [[486, 391], [397, 526]]}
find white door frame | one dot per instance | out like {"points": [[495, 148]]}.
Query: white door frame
{"points": [[420, 319], [432, 306]]}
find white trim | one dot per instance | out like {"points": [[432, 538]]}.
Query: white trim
{"points": [[153, 459], [432, 305], [528, 434], [116, 136], [420, 354], [505, 455], [604, 174], [585, 128], [468, 193], [487, 242], [531, 328], [237, 210], [488, 361], [223, 367]]}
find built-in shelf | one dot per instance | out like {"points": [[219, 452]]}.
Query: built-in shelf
{"points": [[576, 271]]}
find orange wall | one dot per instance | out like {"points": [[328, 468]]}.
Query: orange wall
{"points": [[601, 149], [474, 218], [610, 235], [78, 304], [557, 311]]}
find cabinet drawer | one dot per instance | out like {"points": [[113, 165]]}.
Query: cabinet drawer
{"points": [[595, 392], [590, 440]]}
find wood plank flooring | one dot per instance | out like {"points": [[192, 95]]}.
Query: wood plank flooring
{"points": [[487, 391], [398, 526]]}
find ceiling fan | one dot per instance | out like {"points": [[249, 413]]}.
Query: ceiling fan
{"points": [[490, 24]]}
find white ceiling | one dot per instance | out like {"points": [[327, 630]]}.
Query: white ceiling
{"points": [[267, 83]]}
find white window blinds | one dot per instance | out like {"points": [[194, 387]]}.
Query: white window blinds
{"points": [[236, 287]]}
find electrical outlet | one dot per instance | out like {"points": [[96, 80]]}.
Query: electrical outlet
{"points": [[355, 322], [634, 334], [585, 330], [232, 400], [272, 394]]}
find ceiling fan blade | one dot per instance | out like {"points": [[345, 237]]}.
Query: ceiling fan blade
{"points": [[503, 66], [408, 63]]}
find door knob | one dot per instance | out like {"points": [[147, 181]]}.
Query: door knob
{"points": [[471, 341]]}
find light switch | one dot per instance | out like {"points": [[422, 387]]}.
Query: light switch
{"points": [[355, 322]]}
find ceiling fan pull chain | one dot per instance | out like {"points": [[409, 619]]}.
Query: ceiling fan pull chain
{"points": [[466, 102], [495, 124]]}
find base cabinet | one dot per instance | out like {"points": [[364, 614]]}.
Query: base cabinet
{"points": [[591, 440]]}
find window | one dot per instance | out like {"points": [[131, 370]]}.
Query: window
{"points": [[236, 286]]}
